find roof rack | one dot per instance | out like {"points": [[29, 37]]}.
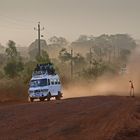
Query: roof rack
{"points": [[44, 69]]}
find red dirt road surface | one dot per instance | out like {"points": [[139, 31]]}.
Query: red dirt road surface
{"points": [[87, 118]]}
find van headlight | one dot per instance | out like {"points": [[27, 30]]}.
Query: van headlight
{"points": [[30, 91]]}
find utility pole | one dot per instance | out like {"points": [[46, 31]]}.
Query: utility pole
{"points": [[39, 46], [71, 63], [90, 55], [39, 52]]}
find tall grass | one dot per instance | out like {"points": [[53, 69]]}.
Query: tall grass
{"points": [[12, 90]]}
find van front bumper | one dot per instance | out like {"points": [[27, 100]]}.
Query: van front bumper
{"points": [[38, 95]]}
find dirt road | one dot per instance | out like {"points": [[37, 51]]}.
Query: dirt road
{"points": [[87, 118]]}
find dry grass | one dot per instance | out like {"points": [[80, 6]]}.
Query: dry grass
{"points": [[12, 90]]}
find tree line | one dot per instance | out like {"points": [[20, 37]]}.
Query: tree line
{"points": [[92, 56]]}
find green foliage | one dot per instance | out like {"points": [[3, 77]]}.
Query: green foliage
{"points": [[64, 55], [44, 58], [107, 47], [11, 51], [108, 52], [78, 59], [124, 54], [82, 38], [13, 68], [3, 59], [28, 70], [97, 69], [33, 48], [79, 62], [33, 52], [58, 41], [14, 64], [1, 74]]}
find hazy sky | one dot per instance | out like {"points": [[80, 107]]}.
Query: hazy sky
{"points": [[68, 18]]}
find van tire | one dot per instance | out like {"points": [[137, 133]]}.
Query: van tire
{"points": [[30, 99], [42, 99], [58, 97], [48, 97]]}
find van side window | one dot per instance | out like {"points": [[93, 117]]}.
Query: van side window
{"points": [[48, 81], [52, 82], [56, 82]]}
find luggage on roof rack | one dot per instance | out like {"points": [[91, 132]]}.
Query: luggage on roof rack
{"points": [[47, 68]]}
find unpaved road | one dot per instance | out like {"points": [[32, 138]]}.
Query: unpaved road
{"points": [[87, 118]]}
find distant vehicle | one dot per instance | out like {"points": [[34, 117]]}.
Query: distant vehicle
{"points": [[44, 84]]}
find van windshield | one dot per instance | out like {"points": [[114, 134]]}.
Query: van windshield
{"points": [[38, 83]]}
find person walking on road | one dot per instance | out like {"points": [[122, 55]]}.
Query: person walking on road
{"points": [[131, 89]]}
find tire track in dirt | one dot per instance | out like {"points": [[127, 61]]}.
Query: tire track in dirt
{"points": [[87, 118]]}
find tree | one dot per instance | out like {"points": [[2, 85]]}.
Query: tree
{"points": [[28, 70], [58, 41], [33, 48], [11, 51], [79, 63], [79, 60], [44, 58], [13, 68], [14, 63], [3, 59], [64, 55], [124, 53], [82, 38]]}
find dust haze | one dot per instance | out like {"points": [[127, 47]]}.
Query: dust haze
{"points": [[109, 85]]}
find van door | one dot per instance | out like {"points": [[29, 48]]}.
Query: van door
{"points": [[56, 86], [49, 86], [52, 87], [59, 85]]}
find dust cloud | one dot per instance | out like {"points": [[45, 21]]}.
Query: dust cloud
{"points": [[109, 85]]}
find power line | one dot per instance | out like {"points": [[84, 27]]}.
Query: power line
{"points": [[15, 20], [20, 24]]}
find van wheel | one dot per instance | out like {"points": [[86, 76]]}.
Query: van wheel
{"points": [[30, 99], [48, 97], [58, 97], [42, 99]]}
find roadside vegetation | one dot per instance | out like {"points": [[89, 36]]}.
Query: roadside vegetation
{"points": [[85, 59]]}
